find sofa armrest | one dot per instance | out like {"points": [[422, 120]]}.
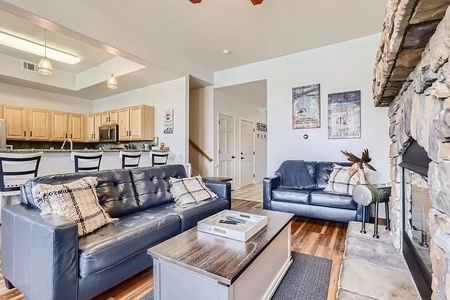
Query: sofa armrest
{"points": [[222, 189], [39, 253], [269, 184]]}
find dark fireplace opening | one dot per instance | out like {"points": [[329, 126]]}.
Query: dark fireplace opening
{"points": [[416, 205]]}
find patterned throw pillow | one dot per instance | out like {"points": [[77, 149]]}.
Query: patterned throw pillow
{"points": [[190, 190], [76, 201], [340, 182]]}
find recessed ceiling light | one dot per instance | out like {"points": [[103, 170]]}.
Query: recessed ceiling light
{"points": [[35, 48], [226, 51]]}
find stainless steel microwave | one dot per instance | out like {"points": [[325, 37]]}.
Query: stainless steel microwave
{"points": [[108, 133]]}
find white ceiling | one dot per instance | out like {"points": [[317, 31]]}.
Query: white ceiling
{"points": [[174, 38]]}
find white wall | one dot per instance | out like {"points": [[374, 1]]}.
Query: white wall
{"points": [[201, 131], [21, 96], [341, 67], [172, 94], [237, 106]]}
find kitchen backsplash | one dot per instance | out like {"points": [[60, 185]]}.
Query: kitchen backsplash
{"points": [[141, 145]]}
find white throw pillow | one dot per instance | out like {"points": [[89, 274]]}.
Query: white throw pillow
{"points": [[190, 190], [341, 182], [76, 201]]}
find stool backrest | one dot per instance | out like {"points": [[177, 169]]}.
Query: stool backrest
{"points": [[16, 169], [87, 161], [130, 159], [159, 158]]}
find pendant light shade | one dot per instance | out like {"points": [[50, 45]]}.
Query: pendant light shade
{"points": [[112, 82], [44, 66]]}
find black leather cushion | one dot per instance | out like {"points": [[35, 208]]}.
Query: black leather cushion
{"points": [[324, 169], [321, 198], [301, 210], [114, 190], [152, 184], [291, 195], [114, 243], [191, 213]]}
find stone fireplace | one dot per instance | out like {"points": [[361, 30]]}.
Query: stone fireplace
{"points": [[412, 77]]}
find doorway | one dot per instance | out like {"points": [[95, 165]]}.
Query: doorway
{"points": [[247, 152], [226, 147]]}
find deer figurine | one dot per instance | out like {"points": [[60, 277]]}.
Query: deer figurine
{"points": [[358, 164]]}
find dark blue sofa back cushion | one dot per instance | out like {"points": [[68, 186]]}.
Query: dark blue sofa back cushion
{"points": [[152, 184], [115, 190]]}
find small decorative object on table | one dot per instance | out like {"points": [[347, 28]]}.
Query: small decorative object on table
{"points": [[233, 224]]}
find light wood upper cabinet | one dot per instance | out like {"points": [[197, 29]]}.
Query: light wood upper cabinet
{"points": [[110, 117], [59, 125], [16, 122], [136, 123], [124, 121], [38, 124], [93, 122], [75, 126]]}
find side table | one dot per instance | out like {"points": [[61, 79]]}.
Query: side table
{"points": [[217, 179], [367, 194]]}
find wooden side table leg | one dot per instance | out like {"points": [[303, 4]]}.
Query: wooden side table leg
{"points": [[375, 228], [388, 220], [363, 225]]}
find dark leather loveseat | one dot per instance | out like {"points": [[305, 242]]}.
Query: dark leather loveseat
{"points": [[44, 258], [312, 201]]}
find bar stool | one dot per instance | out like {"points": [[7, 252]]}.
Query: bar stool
{"points": [[86, 161], [130, 159], [159, 158], [15, 170]]}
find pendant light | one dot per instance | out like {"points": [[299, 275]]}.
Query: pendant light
{"points": [[44, 66], [112, 81]]}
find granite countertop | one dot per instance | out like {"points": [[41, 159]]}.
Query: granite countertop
{"points": [[68, 150]]}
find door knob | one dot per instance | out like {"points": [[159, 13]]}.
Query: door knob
{"points": [[233, 157], [242, 157]]}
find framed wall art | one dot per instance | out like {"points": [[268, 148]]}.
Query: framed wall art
{"points": [[168, 122], [344, 115], [306, 107]]}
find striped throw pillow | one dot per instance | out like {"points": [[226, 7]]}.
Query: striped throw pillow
{"points": [[190, 190], [341, 182], [76, 201]]}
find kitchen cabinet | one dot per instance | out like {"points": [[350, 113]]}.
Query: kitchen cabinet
{"points": [[38, 124], [136, 123], [26, 123], [16, 122], [66, 125], [109, 117], [93, 122], [75, 127]]}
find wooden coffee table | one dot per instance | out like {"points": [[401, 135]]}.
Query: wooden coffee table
{"points": [[198, 265]]}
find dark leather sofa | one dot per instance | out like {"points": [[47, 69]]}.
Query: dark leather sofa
{"points": [[312, 201], [44, 258]]}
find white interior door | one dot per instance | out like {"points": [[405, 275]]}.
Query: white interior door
{"points": [[226, 147], [247, 148]]}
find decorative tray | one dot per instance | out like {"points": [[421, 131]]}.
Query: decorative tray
{"points": [[233, 225]]}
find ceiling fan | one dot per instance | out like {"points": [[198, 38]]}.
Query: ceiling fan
{"points": [[255, 2]]}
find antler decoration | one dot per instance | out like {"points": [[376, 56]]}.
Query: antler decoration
{"points": [[359, 163]]}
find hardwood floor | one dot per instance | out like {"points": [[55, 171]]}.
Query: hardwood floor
{"points": [[313, 237]]}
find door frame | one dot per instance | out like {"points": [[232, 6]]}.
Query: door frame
{"points": [[254, 150], [234, 182]]}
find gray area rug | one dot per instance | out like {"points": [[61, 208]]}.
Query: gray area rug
{"points": [[307, 279]]}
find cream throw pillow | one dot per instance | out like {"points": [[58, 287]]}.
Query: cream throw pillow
{"points": [[76, 201], [341, 182], [190, 190]]}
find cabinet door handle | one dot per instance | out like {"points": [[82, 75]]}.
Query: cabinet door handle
{"points": [[70, 135], [31, 133], [24, 133], [66, 135]]}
